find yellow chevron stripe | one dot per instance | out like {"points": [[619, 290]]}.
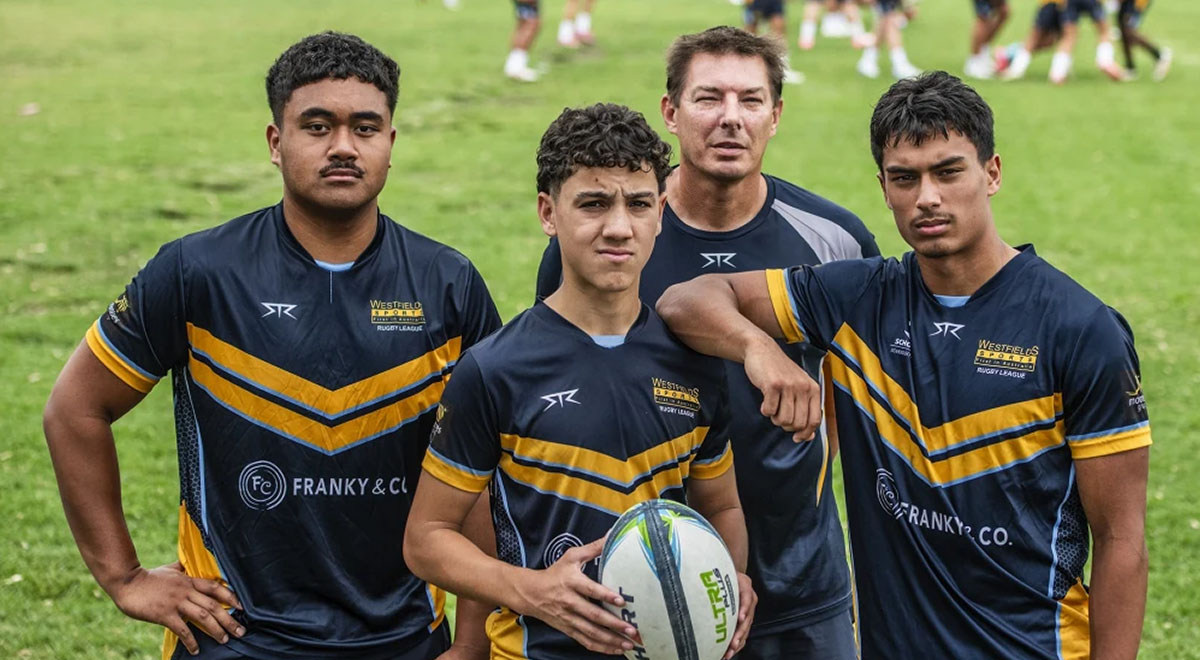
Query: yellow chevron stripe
{"points": [[312, 432], [592, 493], [716, 468], [115, 364], [777, 289], [953, 432], [945, 470], [197, 561], [626, 471], [506, 635], [308, 393]]}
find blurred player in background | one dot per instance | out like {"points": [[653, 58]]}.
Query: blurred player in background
{"points": [[1057, 24], [571, 413], [308, 344], [575, 29], [1013, 61], [529, 22], [723, 214], [1129, 18], [771, 11], [887, 32], [842, 19], [990, 17]]}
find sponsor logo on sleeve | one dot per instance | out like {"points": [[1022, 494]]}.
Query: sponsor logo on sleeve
{"points": [[1136, 402]]}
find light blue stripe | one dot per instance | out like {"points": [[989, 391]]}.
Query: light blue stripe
{"points": [[951, 301], [459, 466], [331, 417], [590, 505], [1054, 535], [714, 459], [432, 608], [306, 443], [787, 286], [883, 399], [124, 358], [335, 268], [508, 514], [1097, 434]]}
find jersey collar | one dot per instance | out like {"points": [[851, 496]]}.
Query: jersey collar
{"points": [[296, 249]]}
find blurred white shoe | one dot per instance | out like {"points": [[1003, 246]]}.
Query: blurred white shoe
{"points": [[868, 64], [1163, 66], [524, 74], [904, 69]]}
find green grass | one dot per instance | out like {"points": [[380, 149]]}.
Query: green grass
{"points": [[151, 125]]}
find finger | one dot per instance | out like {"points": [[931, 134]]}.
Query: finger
{"points": [[588, 552], [176, 625], [204, 620], [589, 588], [785, 414], [596, 638], [770, 400], [216, 590], [598, 616], [815, 413], [227, 623]]}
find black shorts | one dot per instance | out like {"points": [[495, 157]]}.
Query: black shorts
{"points": [[760, 9], [985, 8], [1049, 18], [886, 6], [432, 647], [1077, 8], [527, 10], [827, 639], [1131, 12]]}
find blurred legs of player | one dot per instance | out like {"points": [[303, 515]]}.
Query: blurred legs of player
{"points": [[772, 11], [1046, 31], [990, 16], [1060, 66], [575, 29], [887, 31], [528, 23], [1129, 18]]}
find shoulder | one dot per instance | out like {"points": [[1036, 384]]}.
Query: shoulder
{"points": [[508, 344], [833, 231], [228, 244], [668, 347], [420, 249]]}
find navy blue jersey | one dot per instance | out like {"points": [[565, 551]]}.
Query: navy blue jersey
{"points": [[959, 429], [797, 555], [568, 435], [303, 404]]}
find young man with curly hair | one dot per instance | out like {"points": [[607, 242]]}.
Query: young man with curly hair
{"points": [[566, 414], [308, 343]]}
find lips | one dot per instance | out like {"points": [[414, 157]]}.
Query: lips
{"points": [[728, 147], [615, 255], [342, 173], [932, 226]]}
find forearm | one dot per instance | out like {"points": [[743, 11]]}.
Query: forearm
{"points": [[84, 456], [704, 313], [470, 627], [448, 559], [1117, 604], [731, 525]]}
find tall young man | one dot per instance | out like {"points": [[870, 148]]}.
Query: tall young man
{"points": [[990, 410], [579, 408], [723, 102], [308, 344]]}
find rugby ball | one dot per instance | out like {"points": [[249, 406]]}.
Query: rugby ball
{"points": [[677, 579]]}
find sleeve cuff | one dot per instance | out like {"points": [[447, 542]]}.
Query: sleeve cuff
{"points": [[121, 367], [1112, 443], [455, 474], [777, 288], [713, 467]]}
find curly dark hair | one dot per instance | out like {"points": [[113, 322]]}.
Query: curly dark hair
{"points": [[723, 40], [935, 103], [330, 55], [603, 135]]}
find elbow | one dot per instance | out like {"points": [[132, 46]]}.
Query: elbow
{"points": [[668, 305], [410, 549]]}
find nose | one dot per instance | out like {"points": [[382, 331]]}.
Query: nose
{"points": [[929, 197], [619, 225], [341, 144], [731, 112]]}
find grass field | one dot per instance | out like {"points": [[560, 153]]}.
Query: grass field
{"points": [[150, 125]]}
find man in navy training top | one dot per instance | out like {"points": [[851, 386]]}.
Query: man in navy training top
{"points": [[990, 409], [309, 343], [723, 102], [576, 410]]}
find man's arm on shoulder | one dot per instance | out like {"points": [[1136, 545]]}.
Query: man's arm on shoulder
{"points": [[1112, 490], [87, 398], [733, 316]]}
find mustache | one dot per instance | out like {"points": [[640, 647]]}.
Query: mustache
{"points": [[342, 165]]}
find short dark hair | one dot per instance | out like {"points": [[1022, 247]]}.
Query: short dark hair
{"points": [[603, 135], [330, 55], [723, 40], [933, 103]]}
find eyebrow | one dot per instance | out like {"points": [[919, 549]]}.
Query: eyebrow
{"points": [[310, 113], [607, 196], [945, 162], [717, 90]]}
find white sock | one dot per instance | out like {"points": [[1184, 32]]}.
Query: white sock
{"points": [[898, 56], [1104, 53], [870, 53], [566, 31], [583, 22], [1060, 66], [518, 60], [1020, 62], [982, 53], [808, 31]]}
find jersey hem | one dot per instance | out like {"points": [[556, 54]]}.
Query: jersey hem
{"points": [[802, 619]]}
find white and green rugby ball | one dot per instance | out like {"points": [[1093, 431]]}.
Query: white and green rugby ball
{"points": [[677, 579]]}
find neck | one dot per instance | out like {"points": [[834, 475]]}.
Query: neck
{"points": [[593, 311], [331, 236], [709, 204], [962, 273]]}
